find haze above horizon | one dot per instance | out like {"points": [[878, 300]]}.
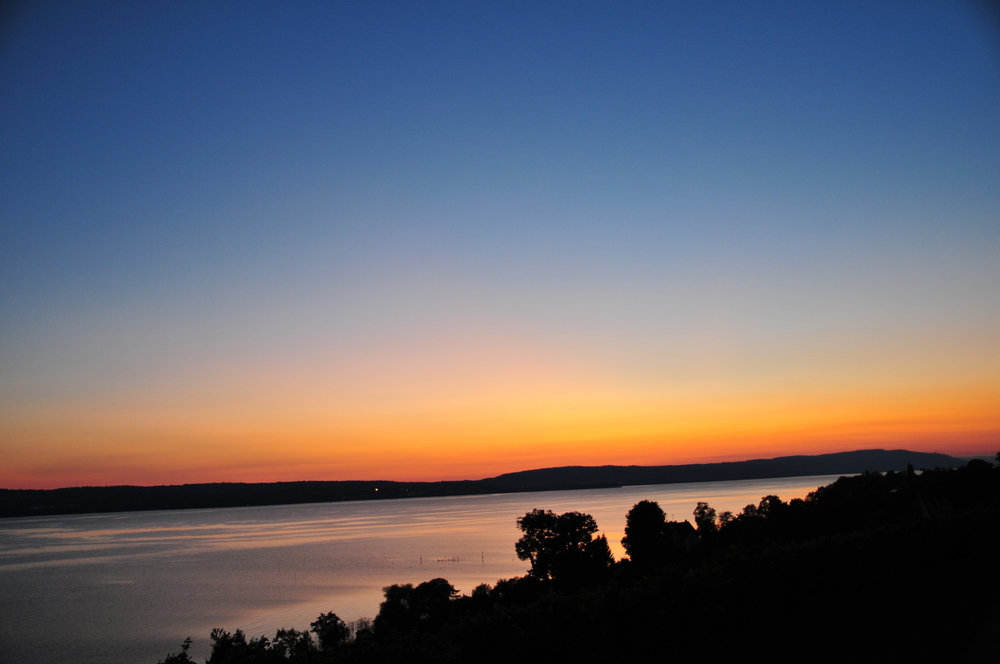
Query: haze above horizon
{"points": [[327, 241]]}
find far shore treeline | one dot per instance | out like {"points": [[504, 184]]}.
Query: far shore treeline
{"points": [[82, 500], [876, 567]]}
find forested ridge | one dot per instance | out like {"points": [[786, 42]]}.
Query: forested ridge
{"points": [[896, 566], [80, 500]]}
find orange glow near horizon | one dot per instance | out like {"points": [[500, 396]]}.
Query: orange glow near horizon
{"points": [[482, 435], [481, 405]]}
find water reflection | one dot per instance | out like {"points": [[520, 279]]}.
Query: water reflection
{"points": [[129, 587]]}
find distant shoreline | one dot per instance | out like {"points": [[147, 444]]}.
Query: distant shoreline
{"points": [[89, 500]]}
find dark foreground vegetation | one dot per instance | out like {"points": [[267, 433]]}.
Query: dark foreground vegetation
{"points": [[893, 567], [80, 500]]}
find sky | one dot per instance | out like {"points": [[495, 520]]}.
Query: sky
{"points": [[268, 241]]}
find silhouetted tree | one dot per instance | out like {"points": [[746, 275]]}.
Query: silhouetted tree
{"points": [[597, 560], [330, 631], [770, 507], [293, 645], [430, 599], [233, 648], [704, 518], [562, 547], [643, 539], [538, 544], [406, 608]]}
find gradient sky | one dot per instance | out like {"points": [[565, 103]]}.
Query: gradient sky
{"points": [[360, 240]]}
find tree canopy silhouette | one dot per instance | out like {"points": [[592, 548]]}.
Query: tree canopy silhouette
{"points": [[562, 548], [330, 630], [406, 608], [704, 518], [643, 541], [651, 541]]}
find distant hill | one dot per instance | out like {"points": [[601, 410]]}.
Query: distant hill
{"points": [[841, 463], [80, 500]]}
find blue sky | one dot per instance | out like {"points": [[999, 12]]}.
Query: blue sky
{"points": [[640, 190]]}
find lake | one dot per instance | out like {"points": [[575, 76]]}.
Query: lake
{"points": [[127, 588]]}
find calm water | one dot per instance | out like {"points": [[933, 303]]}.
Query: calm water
{"points": [[128, 587]]}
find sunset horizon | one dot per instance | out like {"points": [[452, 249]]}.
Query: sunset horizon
{"points": [[174, 478], [428, 242]]}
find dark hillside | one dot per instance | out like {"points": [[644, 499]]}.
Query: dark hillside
{"points": [[79, 500], [841, 463]]}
